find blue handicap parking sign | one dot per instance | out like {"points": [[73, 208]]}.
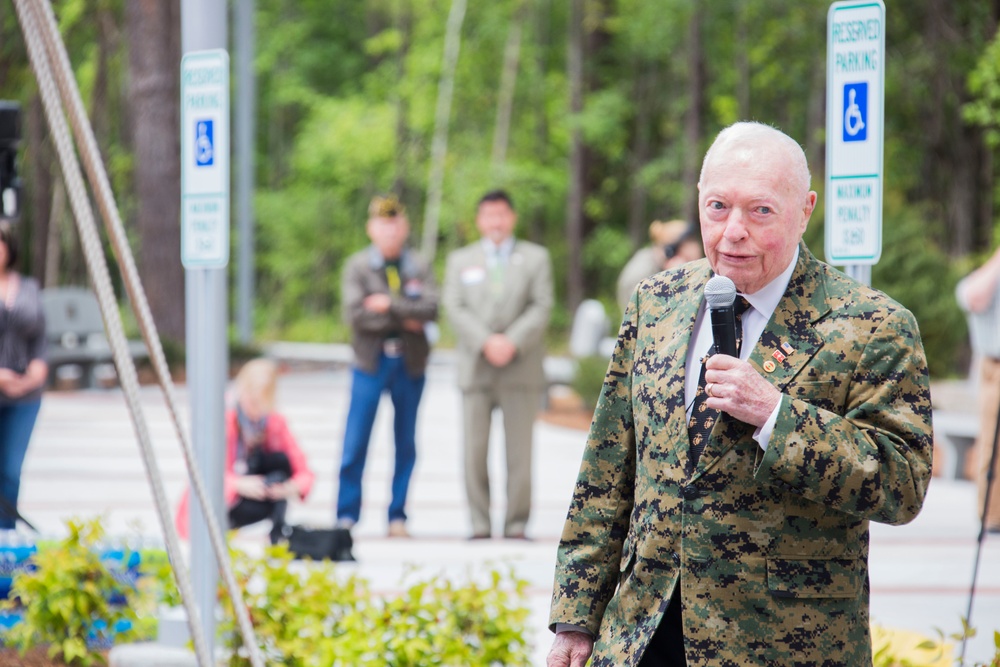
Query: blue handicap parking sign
{"points": [[204, 143], [855, 111]]}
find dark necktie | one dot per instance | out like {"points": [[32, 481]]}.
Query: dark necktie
{"points": [[703, 417]]}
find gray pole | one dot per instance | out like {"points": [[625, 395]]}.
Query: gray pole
{"points": [[860, 272], [244, 122], [204, 26]]}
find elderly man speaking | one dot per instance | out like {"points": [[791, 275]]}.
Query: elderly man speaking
{"points": [[721, 512]]}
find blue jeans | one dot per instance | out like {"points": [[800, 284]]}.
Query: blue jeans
{"points": [[366, 390], [16, 423]]}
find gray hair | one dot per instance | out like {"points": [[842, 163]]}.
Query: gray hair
{"points": [[748, 136]]}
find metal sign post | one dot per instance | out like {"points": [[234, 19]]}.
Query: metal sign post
{"points": [[855, 94], [204, 134]]}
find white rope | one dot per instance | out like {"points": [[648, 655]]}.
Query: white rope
{"points": [[40, 15], [133, 284]]}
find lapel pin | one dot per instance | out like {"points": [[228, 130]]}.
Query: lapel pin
{"points": [[787, 348], [769, 366], [777, 354]]}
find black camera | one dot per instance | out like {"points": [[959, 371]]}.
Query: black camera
{"points": [[275, 477]]}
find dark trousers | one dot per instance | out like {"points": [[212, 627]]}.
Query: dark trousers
{"points": [[666, 649], [274, 466]]}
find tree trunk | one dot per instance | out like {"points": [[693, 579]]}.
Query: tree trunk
{"points": [[154, 96], [40, 150], [442, 117], [742, 63], [401, 185], [645, 84], [543, 41], [575, 194], [692, 123], [53, 244], [505, 101]]}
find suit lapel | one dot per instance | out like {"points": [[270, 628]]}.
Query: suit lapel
{"points": [[676, 317], [803, 304], [474, 275]]}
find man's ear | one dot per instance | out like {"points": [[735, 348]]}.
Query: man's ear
{"points": [[807, 210]]}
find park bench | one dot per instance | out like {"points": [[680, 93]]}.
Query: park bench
{"points": [[956, 432], [75, 333]]}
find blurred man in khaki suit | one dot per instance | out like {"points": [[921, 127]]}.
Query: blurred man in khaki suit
{"points": [[498, 294]]}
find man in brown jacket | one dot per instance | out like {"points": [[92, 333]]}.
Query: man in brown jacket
{"points": [[389, 295]]}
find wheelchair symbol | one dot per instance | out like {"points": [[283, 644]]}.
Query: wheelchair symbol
{"points": [[855, 111], [204, 151]]}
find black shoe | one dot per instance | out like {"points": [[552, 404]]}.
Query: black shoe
{"points": [[479, 536]]}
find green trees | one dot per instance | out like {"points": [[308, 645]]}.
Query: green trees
{"points": [[593, 113]]}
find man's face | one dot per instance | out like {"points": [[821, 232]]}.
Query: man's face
{"points": [[752, 214], [495, 221], [389, 234]]}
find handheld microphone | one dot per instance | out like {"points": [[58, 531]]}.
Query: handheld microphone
{"points": [[720, 293]]}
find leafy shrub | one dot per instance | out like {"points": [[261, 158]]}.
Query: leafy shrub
{"points": [[305, 615], [901, 648], [589, 379], [71, 599]]}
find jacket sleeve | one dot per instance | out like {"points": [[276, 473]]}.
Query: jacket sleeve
{"points": [[590, 550], [528, 330], [353, 292], [282, 440], [469, 328], [229, 478], [874, 461]]}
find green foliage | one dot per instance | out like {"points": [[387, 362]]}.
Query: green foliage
{"points": [[984, 84], [921, 277], [589, 379], [909, 649], [66, 594], [305, 615]]}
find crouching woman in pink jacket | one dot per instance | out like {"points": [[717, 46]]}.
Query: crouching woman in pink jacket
{"points": [[264, 466]]}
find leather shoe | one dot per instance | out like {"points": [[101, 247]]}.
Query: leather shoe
{"points": [[397, 528], [517, 536], [479, 536]]}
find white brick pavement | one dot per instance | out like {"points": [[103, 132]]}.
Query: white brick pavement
{"points": [[84, 461]]}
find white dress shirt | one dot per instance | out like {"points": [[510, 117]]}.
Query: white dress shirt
{"points": [[763, 302]]}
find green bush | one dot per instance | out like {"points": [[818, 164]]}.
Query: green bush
{"points": [[67, 598], [307, 615], [902, 648], [589, 379]]}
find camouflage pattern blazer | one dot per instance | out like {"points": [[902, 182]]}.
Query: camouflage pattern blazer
{"points": [[770, 549]]}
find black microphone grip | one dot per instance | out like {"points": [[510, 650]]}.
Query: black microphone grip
{"points": [[724, 330]]}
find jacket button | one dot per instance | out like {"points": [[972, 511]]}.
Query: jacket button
{"points": [[676, 556], [690, 492]]}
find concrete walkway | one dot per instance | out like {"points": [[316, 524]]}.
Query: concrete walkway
{"points": [[84, 461]]}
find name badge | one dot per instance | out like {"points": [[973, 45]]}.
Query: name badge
{"points": [[472, 275]]}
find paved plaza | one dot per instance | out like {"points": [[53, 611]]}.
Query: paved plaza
{"points": [[84, 461]]}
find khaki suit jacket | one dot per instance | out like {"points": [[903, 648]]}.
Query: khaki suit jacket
{"points": [[520, 311], [770, 549]]}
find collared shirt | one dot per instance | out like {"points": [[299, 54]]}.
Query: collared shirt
{"points": [[498, 253], [764, 301]]}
